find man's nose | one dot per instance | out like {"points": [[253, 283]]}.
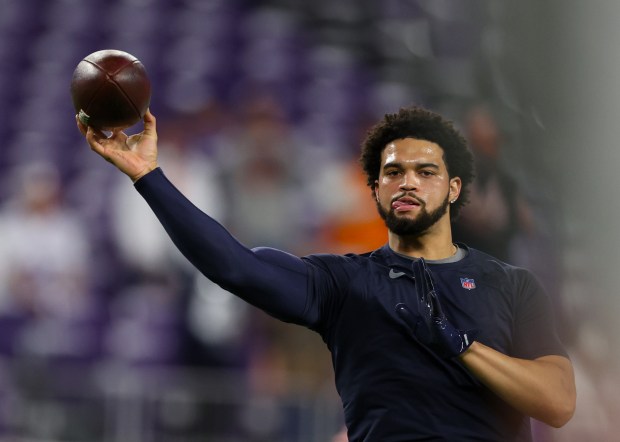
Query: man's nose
{"points": [[409, 181]]}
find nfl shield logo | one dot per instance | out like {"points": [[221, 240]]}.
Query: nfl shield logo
{"points": [[468, 283]]}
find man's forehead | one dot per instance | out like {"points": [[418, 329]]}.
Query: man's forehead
{"points": [[410, 148]]}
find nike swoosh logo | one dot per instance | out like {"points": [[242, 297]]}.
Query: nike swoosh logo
{"points": [[394, 274]]}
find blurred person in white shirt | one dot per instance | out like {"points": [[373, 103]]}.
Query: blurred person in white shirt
{"points": [[44, 262]]}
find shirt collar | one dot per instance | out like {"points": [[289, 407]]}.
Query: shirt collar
{"points": [[394, 259]]}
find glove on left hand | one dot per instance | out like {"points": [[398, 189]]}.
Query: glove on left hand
{"points": [[431, 327]]}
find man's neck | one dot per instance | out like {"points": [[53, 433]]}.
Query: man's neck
{"points": [[433, 245]]}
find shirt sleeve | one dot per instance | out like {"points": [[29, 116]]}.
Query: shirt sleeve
{"points": [[270, 279], [535, 332]]}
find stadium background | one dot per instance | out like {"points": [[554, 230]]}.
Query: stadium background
{"points": [[105, 333]]}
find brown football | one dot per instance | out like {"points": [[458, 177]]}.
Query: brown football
{"points": [[110, 89]]}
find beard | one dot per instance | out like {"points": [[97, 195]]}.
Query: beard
{"points": [[402, 226]]}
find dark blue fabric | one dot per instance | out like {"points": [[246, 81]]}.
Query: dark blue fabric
{"points": [[392, 387]]}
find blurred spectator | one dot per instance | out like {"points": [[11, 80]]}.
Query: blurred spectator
{"points": [[270, 205], [44, 266], [350, 224], [501, 220], [259, 166], [136, 233], [144, 328], [497, 210], [209, 322]]}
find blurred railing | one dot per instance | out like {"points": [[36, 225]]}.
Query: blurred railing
{"points": [[76, 402]]}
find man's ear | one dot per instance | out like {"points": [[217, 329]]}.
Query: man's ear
{"points": [[374, 190], [455, 189]]}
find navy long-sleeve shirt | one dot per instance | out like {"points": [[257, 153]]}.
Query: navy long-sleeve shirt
{"points": [[392, 387]]}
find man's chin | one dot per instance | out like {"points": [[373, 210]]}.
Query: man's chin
{"points": [[409, 214], [404, 225], [406, 216]]}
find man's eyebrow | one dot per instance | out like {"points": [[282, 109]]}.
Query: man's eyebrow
{"points": [[425, 165], [399, 165]]}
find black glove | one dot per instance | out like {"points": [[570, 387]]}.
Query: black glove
{"points": [[431, 327]]}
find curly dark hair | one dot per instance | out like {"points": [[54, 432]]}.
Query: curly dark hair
{"points": [[420, 123]]}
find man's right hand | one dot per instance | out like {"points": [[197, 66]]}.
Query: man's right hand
{"points": [[134, 155]]}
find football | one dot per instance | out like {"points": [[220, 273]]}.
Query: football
{"points": [[110, 89]]}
